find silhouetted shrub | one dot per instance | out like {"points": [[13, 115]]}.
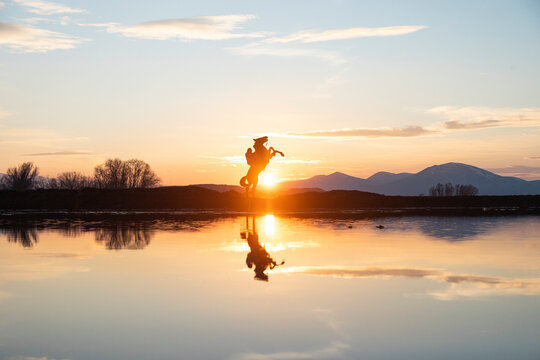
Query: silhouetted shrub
{"points": [[118, 174], [436, 190], [45, 183], [21, 177], [466, 190], [73, 180], [140, 175]]}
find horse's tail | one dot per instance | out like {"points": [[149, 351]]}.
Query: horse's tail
{"points": [[244, 181]]}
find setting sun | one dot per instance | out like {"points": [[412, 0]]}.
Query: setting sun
{"points": [[269, 180]]}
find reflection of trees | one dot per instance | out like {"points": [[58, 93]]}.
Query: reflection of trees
{"points": [[68, 229], [25, 232], [114, 233], [21, 234], [131, 236], [456, 228]]}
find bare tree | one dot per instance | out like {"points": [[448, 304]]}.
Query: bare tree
{"points": [[73, 180], [112, 174], [471, 190], [21, 177], [466, 190], [140, 175], [45, 183], [118, 174], [448, 189], [436, 190]]}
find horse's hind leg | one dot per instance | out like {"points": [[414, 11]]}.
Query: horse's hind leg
{"points": [[254, 185]]}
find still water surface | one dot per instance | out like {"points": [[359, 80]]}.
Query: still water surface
{"points": [[419, 288]]}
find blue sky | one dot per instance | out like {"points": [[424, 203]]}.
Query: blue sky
{"points": [[353, 86]]}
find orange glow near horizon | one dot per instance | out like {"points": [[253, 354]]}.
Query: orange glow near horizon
{"points": [[269, 180]]}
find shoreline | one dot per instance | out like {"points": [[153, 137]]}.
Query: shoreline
{"points": [[198, 214], [190, 201]]}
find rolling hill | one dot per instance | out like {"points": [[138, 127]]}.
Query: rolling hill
{"points": [[407, 184]]}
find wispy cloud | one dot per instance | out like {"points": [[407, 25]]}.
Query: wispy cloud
{"points": [[281, 160], [482, 124], [62, 20], [460, 284], [407, 131], [521, 171], [47, 8], [532, 157], [470, 118], [310, 36], [25, 39], [220, 27], [274, 46], [516, 168], [256, 49], [35, 138], [334, 351], [238, 159], [37, 19], [55, 153], [458, 119], [226, 159]]}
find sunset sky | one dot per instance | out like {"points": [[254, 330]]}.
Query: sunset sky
{"points": [[338, 85]]}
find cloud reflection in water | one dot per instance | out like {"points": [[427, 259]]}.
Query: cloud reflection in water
{"points": [[461, 285]]}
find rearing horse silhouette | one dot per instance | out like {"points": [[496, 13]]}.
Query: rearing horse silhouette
{"points": [[257, 161]]}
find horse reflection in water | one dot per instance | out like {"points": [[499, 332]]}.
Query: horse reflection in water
{"points": [[258, 258]]}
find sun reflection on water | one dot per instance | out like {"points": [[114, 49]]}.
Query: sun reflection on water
{"points": [[273, 240], [269, 225]]}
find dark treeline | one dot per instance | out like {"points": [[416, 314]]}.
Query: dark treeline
{"points": [[196, 198], [449, 189], [113, 174]]}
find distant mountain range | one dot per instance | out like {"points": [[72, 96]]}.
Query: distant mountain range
{"points": [[405, 184]]}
